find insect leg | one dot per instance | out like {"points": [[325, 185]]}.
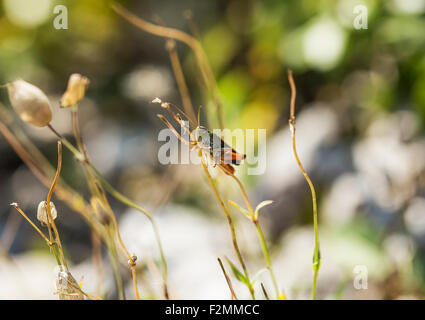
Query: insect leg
{"points": [[170, 126]]}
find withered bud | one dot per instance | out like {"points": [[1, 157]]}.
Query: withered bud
{"points": [[132, 261], [31, 104], [76, 90], [42, 214]]}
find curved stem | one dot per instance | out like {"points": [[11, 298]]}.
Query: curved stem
{"points": [[316, 255], [260, 235], [41, 168], [116, 194], [131, 259], [82, 149], [230, 222], [135, 206], [115, 266], [49, 196], [245, 196], [191, 41]]}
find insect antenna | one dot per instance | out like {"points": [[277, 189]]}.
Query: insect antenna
{"points": [[166, 105]]}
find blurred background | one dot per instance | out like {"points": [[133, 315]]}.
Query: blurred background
{"points": [[360, 134]]}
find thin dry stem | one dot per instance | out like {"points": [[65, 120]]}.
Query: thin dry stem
{"points": [[39, 166], [192, 42], [230, 222], [245, 196], [16, 206], [179, 75], [316, 256], [97, 188], [64, 193], [254, 219], [264, 292], [181, 82], [97, 259], [77, 134], [49, 196], [97, 176], [131, 259], [229, 282], [90, 296]]}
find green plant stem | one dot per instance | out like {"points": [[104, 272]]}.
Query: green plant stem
{"points": [[135, 206], [115, 266], [42, 170], [231, 225], [267, 257], [97, 189], [116, 194], [315, 274], [260, 235], [77, 154], [316, 254], [49, 213], [77, 134]]}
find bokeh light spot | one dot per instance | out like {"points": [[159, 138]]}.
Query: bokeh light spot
{"points": [[323, 44], [27, 13]]}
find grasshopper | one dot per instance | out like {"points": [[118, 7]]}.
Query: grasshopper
{"points": [[218, 151]]}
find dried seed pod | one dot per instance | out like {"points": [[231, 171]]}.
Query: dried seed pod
{"points": [[31, 104], [42, 215], [76, 90], [67, 287]]}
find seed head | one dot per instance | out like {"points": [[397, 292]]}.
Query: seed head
{"points": [[42, 214], [76, 90], [31, 104]]}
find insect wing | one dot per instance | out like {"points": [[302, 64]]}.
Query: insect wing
{"points": [[221, 152], [231, 156]]}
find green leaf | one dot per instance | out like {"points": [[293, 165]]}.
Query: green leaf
{"points": [[237, 273], [262, 205], [243, 210]]}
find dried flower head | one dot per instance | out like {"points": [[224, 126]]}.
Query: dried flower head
{"points": [[76, 90], [31, 104], [42, 215]]}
